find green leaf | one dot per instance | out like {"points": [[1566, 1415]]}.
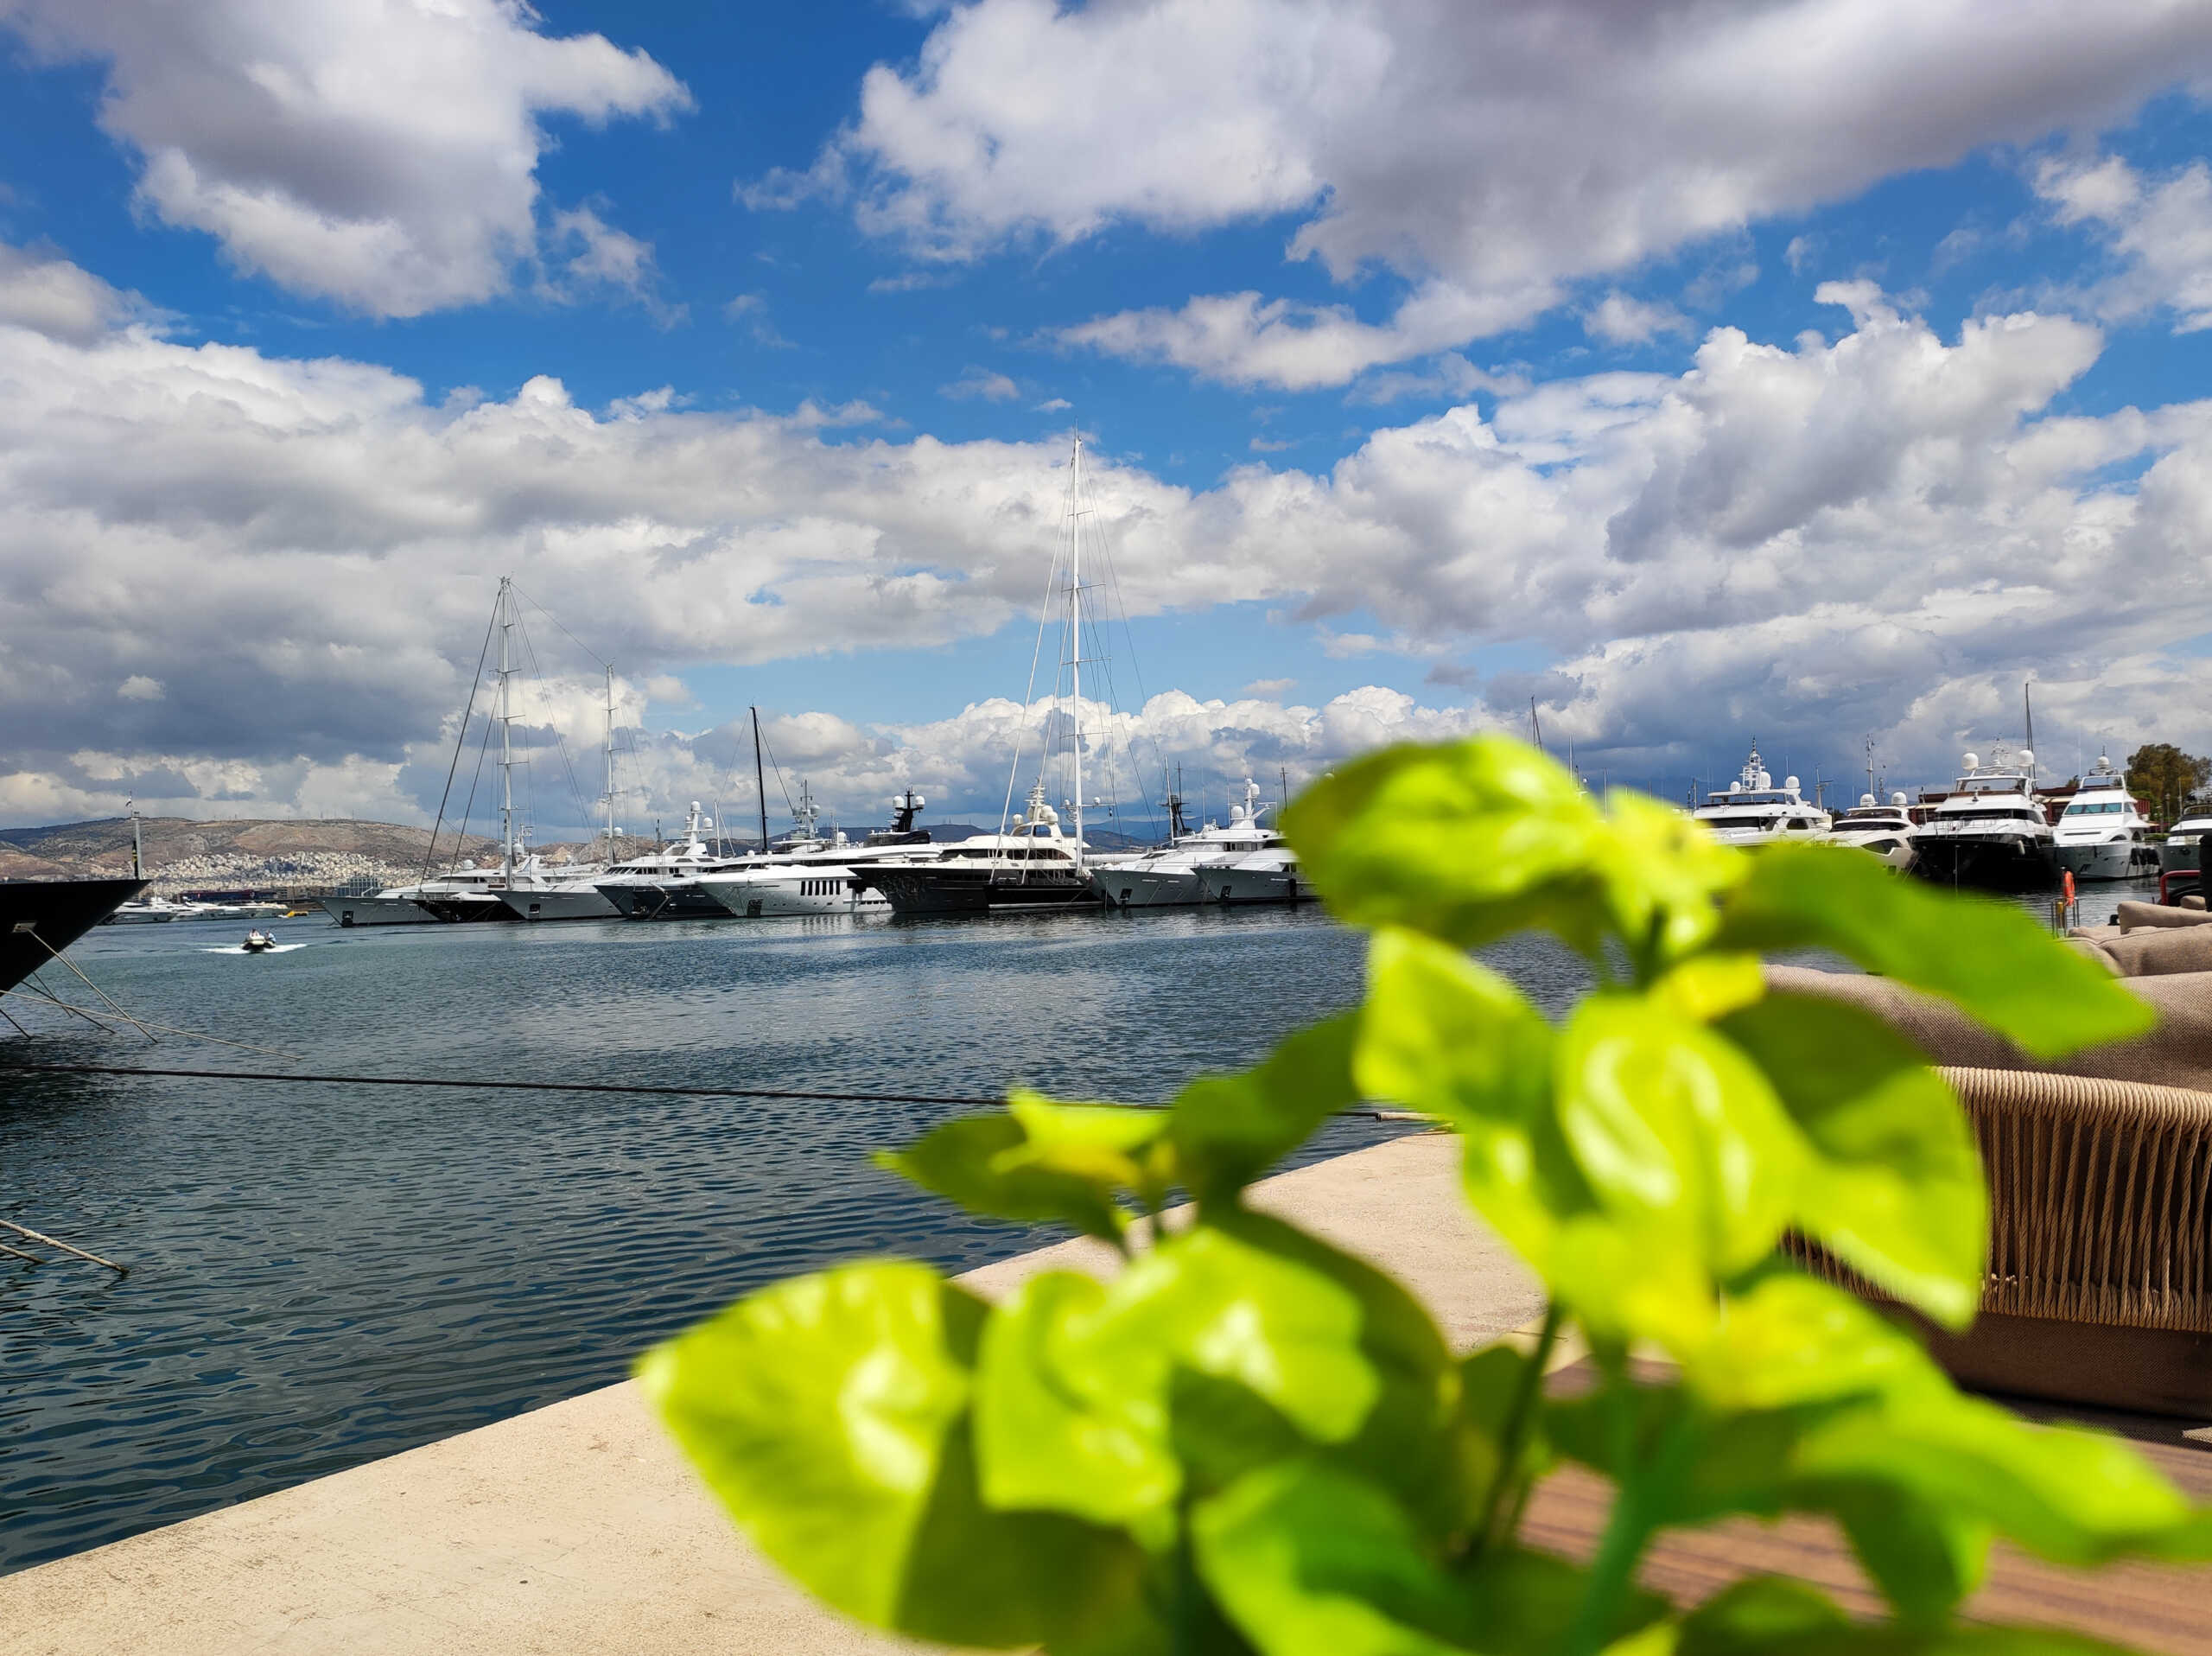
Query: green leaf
{"points": [[1227, 1130], [1660, 871], [2074, 1497], [1995, 961], [829, 1414], [1762, 1615], [1310, 1561], [1676, 1131], [1926, 1558], [1079, 1384], [1098, 1142], [1452, 1038], [1895, 1191], [1792, 1339], [1057, 1429], [1466, 841], [961, 1161]]}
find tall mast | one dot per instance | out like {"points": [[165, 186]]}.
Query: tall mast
{"points": [[1074, 631], [507, 746], [1535, 725], [610, 766], [137, 845], [2028, 708], [761, 781]]}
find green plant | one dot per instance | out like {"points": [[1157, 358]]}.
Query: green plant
{"points": [[1249, 1440]]}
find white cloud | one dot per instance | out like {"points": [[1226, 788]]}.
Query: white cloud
{"points": [[140, 688], [1624, 321], [1875, 533], [55, 297], [1488, 151], [1053, 405], [381, 153], [991, 386], [586, 255], [2160, 232]]}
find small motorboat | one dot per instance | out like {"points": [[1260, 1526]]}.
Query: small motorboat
{"points": [[259, 942]]}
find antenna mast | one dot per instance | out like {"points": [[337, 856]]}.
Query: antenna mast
{"points": [[610, 766], [2028, 709]]}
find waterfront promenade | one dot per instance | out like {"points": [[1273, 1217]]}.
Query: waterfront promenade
{"points": [[577, 1530]]}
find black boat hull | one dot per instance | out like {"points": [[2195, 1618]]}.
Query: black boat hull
{"points": [[41, 918], [1996, 863], [936, 888]]}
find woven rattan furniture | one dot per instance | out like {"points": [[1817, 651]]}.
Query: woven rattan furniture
{"points": [[2099, 1279]]}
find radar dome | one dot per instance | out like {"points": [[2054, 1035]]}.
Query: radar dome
{"points": [[2027, 758], [1765, 780], [1237, 813], [1897, 797], [1789, 782], [1865, 799], [1974, 761]]}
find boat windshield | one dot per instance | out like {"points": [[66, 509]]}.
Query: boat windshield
{"points": [[1741, 822], [2080, 809], [2013, 813]]}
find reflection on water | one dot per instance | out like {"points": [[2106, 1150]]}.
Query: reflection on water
{"points": [[324, 1274]]}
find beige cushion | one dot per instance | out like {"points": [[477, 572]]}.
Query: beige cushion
{"points": [[2156, 951], [2178, 1053], [2132, 916], [2097, 933], [2095, 949], [2194, 899]]}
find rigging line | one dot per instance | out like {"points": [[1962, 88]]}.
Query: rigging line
{"points": [[44, 993], [460, 741], [782, 786], [483, 752], [770, 1095], [538, 678], [96, 989], [604, 666], [193, 1034]]}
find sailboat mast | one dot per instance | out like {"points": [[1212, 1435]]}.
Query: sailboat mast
{"points": [[2028, 709], [137, 845], [1075, 633], [506, 745], [610, 766], [761, 781]]}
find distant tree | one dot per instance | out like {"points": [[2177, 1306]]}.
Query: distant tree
{"points": [[2162, 776]]}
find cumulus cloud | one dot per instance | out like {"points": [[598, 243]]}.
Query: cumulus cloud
{"points": [[2160, 233], [984, 383], [1489, 152], [1620, 319], [382, 154], [1878, 531], [55, 297]]}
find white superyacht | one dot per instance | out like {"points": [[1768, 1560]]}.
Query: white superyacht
{"points": [[1752, 811], [1883, 830], [816, 876], [2102, 834], [1989, 830], [1169, 876]]}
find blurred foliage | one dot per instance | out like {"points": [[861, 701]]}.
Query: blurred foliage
{"points": [[1249, 1441]]}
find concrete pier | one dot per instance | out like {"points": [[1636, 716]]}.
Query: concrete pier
{"points": [[578, 1529]]}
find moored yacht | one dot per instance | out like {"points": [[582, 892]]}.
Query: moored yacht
{"points": [[1032, 866], [1264, 876], [1169, 876], [41, 918], [1753, 812], [1988, 831], [817, 878], [2102, 834], [1883, 830], [664, 885], [403, 905], [2183, 847]]}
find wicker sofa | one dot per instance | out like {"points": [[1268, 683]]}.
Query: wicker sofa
{"points": [[2100, 1277]]}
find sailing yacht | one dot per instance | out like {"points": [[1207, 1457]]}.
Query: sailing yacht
{"points": [[1030, 862], [1752, 811], [1168, 876], [1883, 830], [1988, 831], [2102, 834]]}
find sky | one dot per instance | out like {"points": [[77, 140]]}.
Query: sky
{"points": [[1811, 373]]}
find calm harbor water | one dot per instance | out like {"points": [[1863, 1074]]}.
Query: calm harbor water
{"points": [[321, 1275], [324, 1274]]}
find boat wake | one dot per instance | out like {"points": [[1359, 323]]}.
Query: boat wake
{"points": [[240, 948]]}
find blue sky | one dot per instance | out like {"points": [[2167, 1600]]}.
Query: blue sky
{"points": [[1804, 374]]}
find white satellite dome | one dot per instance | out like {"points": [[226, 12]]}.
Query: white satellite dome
{"points": [[1789, 782], [1865, 799], [2027, 757], [1897, 797], [1974, 761], [1765, 779]]}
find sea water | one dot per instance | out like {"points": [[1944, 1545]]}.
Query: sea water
{"points": [[321, 1274]]}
